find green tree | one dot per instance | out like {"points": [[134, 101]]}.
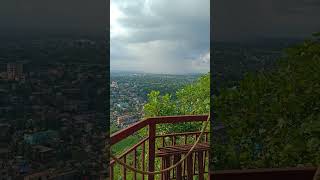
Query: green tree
{"points": [[273, 119], [159, 105], [195, 98], [190, 100]]}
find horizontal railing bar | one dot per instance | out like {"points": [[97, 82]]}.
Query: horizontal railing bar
{"points": [[181, 134], [266, 174], [131, 149], [150, 123], [178, 119], [264, 170], [124, 133]]}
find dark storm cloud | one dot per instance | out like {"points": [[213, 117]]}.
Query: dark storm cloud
{"points": [[53, 16], [167, 20], [160, 36], [252, 19]]}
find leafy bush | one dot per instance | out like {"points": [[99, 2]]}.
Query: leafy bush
{"points": [[273, 119]]}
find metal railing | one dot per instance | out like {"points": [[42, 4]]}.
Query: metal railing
{"points": [[142, 155], [296, 173]]}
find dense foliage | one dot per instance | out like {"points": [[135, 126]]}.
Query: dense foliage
{"points": [[272, 119], [191, 99]]}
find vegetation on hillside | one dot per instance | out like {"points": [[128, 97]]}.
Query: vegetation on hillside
{"points": [[193, 99], [272, 119]]}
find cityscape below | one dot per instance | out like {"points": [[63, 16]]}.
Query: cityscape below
{"points": [[52, 106], [52, 115]]}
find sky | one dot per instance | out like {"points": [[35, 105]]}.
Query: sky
{"points": [[247, 20], [160, 36], [41, 17]]}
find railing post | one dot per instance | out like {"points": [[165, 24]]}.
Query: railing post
{"points": [[152, 148]]}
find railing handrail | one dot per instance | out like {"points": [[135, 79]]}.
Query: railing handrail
{"points": [[124, 133], [126, 152], [151, 123], [181, 134], [128, 131], [294, 173], [264, 170]]}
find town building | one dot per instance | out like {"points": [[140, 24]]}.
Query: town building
{"points": [[15, 71]]}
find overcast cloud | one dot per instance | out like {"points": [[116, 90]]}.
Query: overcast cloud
{"points": [[253, 19], [160, 36], [52, 17]]}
